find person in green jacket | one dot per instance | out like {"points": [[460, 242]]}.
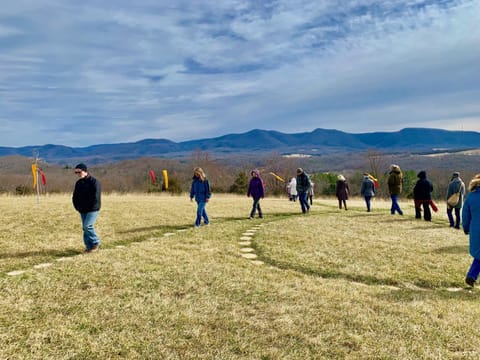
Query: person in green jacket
{"points": [[395, 182]]}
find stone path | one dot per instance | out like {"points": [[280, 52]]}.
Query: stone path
{"points": [[246, 251], [70, 258]]}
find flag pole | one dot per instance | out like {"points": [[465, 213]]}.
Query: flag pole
{"points": [[36, 154]]}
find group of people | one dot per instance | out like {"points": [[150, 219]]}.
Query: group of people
{"points": [[87, 201]]}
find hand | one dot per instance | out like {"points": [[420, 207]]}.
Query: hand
{"points": [[207, 200]]}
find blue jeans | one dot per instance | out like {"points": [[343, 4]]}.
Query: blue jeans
{"points": [[303, 197], [201, 212], [474, 269], [90, 237], [395, 206], [256, 207], [367, 201], [457, 217]]}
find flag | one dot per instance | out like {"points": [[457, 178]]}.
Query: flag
{"points": [[34, 172], [165, 179], [152, 177], [277, 177], [44, 178], [375, 180]]}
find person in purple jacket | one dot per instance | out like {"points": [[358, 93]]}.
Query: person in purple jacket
{"points": [[256, 190]]}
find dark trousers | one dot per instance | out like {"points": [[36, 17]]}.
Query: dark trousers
{"points": [[427, 214], [457, 217], [474, 269], [303, 202], [368, 202], [256, 207]]}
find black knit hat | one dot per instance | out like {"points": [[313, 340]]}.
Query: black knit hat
{"points": [[81, 166]]}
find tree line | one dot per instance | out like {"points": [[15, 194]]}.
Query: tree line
{"points": [[232, 174]]}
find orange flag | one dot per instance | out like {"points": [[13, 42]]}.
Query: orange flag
{"points": [[34, 173], [165, 179]]}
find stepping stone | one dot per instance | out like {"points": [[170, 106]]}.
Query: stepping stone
{"points": [[181, 230], [246, 238], [16, 272], [245, 243], [65, 258], [168, 234], [454, 289], [247, 250], [41, 266], [249, 256], [257, 262], [391, 287], [248, 234], [120, 246]]}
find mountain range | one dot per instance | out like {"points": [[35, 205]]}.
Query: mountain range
{"points": [[316, 142]]}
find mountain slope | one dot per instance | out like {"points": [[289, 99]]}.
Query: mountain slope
{"points": [[315, 142]]}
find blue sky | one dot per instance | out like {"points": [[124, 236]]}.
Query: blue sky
{"points": [[87, 72]]}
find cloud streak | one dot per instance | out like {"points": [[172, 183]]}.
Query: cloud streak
{"points": [[82, 73]]}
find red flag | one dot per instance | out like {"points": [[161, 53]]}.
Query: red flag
{"points": [[44, 178], [152, 177]]}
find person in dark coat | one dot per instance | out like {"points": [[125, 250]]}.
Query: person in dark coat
{"points": [[87, 201], [367, 190], [341, 191], [422, 195], [200, 191], [471, 227], [456, 185], [303, 186], [256, 190]]}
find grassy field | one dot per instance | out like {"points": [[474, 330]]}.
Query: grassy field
{"points": [[331, 284]]}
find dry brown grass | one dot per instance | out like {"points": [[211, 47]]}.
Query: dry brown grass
{"points": [[335, 284]]}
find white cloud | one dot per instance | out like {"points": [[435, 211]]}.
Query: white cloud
{"points": [[188, 69]]}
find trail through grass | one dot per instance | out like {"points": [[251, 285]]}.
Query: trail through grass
{"points": [[334, 284]]}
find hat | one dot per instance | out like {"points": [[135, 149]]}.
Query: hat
{"points": [[299, 170], [456, 174], [81, 166], [341, 177]]}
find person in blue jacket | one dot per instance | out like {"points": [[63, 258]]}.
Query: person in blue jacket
{"points": [[471, 227], [200, 190], [256, 190], [87, 201]]}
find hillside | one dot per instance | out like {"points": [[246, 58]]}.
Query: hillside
{"points": [[319, 141]]}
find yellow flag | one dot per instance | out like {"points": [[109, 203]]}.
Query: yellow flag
{"points": [[277, 177], [34, 172], [165, 179]]}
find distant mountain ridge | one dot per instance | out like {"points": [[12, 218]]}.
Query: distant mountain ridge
{"points": [[316, 142]]}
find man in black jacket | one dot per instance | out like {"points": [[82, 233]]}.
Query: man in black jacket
{"points": [[87, 201]]}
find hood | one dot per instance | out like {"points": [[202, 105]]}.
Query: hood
{"points": [[475, 183], [422, 175]]}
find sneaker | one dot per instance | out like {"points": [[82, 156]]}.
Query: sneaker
{"points": [[470, 281], [92, 249]]}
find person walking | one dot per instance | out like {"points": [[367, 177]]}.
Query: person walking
{"points": [[395, 182], [422, 195], [471, 227], [455, 186], [303, 185], [310, 192], [292, 189], [256, 190], [87, 201], [367, 190], [200, 191], [342, 191]]}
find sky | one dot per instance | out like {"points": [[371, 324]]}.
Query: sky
{"points": [[79, 73]]}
